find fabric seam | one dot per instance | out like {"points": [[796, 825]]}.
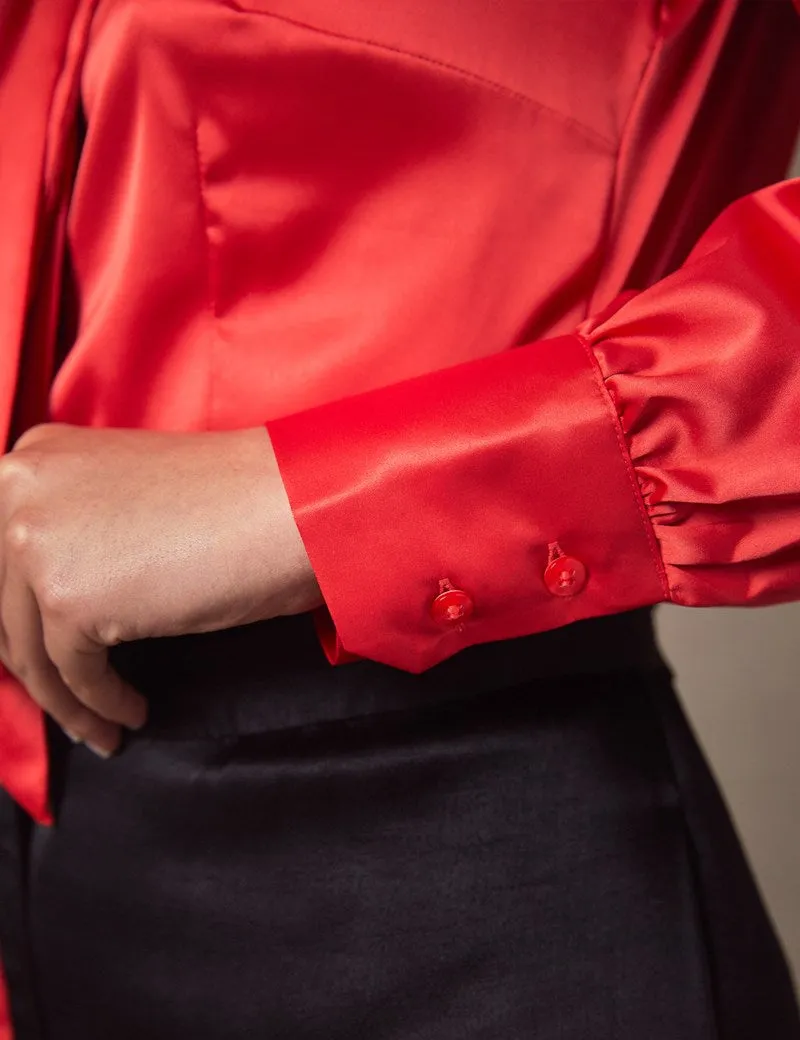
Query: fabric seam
{"points": [[630, 470], [499, 88], [613, 193]]}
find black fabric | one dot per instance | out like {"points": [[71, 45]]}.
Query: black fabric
{"points": [[278, 676], [15, 952], [545, 859], [749, 974]]}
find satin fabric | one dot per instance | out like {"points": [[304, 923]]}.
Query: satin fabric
{"points": [[281, 204], [658, 444], [405, 194], [40, 50]]}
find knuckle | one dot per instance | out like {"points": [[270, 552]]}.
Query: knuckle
{"points": [[15, 471], [20, 534], [57, 599], [111, 633]]}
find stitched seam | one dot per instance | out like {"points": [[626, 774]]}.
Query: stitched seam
{"points": [[652, 541], [587, 131], [613, 194], [211, 281]]}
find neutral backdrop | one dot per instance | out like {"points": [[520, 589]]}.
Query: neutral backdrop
{"points": [[739, 675]]}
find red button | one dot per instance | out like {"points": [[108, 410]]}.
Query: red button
{"points": [[452, 607], [565, 576]]}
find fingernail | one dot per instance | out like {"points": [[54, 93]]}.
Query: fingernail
{"points": [[73, 737], [102, 752]]}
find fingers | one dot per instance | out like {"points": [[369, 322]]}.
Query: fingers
{"points": [[29, 661], [43, 629], [84, 668]]}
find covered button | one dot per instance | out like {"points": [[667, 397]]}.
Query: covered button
{"points": [[451, 607], [565, 576]]}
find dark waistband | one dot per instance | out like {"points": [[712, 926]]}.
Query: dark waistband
{"points": [[273, 675]]}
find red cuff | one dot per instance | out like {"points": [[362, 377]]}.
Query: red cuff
{"points": [[330, 642], [480, 502]]}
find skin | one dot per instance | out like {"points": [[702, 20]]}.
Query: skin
{"points": [[116, 535]]}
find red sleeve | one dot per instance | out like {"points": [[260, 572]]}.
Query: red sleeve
{"points": [[655, 453]]}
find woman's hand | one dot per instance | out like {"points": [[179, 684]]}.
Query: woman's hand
{"points": [[115, 535]]}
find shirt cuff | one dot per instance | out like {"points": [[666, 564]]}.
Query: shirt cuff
{"points": [[481, 502]]}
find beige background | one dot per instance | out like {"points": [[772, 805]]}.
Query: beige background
{"points": [[739, 675]]}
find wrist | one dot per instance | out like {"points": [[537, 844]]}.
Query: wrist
{"points": [[291, 574]]}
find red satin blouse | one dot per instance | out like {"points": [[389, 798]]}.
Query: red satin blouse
{"points": [[398, 233]]}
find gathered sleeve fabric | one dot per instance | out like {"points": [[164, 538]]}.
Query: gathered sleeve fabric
{"points": [[652, 455]]}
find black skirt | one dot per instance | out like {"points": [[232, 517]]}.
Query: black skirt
{"points": [[524, 843]]}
